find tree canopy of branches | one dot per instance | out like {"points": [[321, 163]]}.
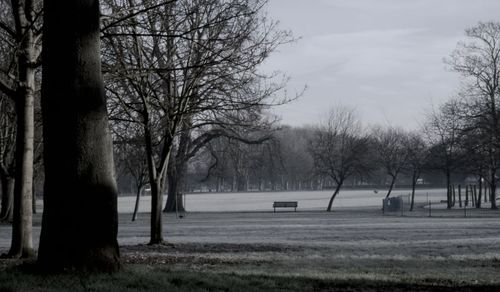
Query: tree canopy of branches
{"points": [[392, 153], [185, 64], [478, 61], [339, 148]]}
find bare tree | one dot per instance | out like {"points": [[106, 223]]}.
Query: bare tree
{"points": [[478, 61], [185, 60], [444, 128], [131, 160], [79, 168], [339, 148], [391, 153], [417, 152]]}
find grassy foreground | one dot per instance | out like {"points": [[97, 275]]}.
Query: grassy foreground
{"points": [[221, 277]]}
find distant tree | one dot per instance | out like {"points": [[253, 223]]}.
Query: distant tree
{"points": [[417, 151], [130, 157], [339, 148], [478, 61], [80, 222], [444, 128], [391, 152]]}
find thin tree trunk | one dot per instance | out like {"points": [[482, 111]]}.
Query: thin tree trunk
{"points": [[493, 191], [335, 193], [33, 199], [80, 218], [137, 200], [480, 194], [393, 180], [448, 188], [460, 196], [413, 186]]}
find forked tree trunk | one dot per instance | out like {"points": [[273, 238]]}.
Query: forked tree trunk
{"points": [[80, 222], [7, 198], [335, 193]]}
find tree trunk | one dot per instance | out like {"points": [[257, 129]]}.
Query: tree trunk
{"points": [[413, 186], [156, 236], [33, 198], [137, 200], [22, 241], [335, 193], [80, 222], [460, 196], [448, 188], [493, 191], [393, 180], [7, 198], [175, 181], [480, 195]]}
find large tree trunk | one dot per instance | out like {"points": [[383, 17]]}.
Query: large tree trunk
{"points": [[335, 193], [80, 222], [7, 198], [174, 193]]}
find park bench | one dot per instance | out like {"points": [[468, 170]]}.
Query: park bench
{"points": [[285, 204]]}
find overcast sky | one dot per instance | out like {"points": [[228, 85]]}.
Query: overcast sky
{"points": [[384, 57]]}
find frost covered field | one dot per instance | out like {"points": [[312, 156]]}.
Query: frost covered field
{"points": [[241, 234], [263, 201]]}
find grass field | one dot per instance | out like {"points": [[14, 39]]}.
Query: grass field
{"points": [[351, 249]]}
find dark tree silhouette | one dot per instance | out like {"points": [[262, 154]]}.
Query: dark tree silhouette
{"points": [[79, 226]]}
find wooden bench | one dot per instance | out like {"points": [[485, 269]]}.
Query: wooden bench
{"points": [[285, 204]]}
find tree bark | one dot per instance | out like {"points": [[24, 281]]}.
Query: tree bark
{"points": [[174, 193], [80, 222], [335, 193], [22, 241], [156, 236]]}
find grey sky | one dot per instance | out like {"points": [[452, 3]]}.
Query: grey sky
{"points": [[384, 57]]}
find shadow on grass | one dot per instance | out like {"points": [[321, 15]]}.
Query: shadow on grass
{"points": [[25, 277]]}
